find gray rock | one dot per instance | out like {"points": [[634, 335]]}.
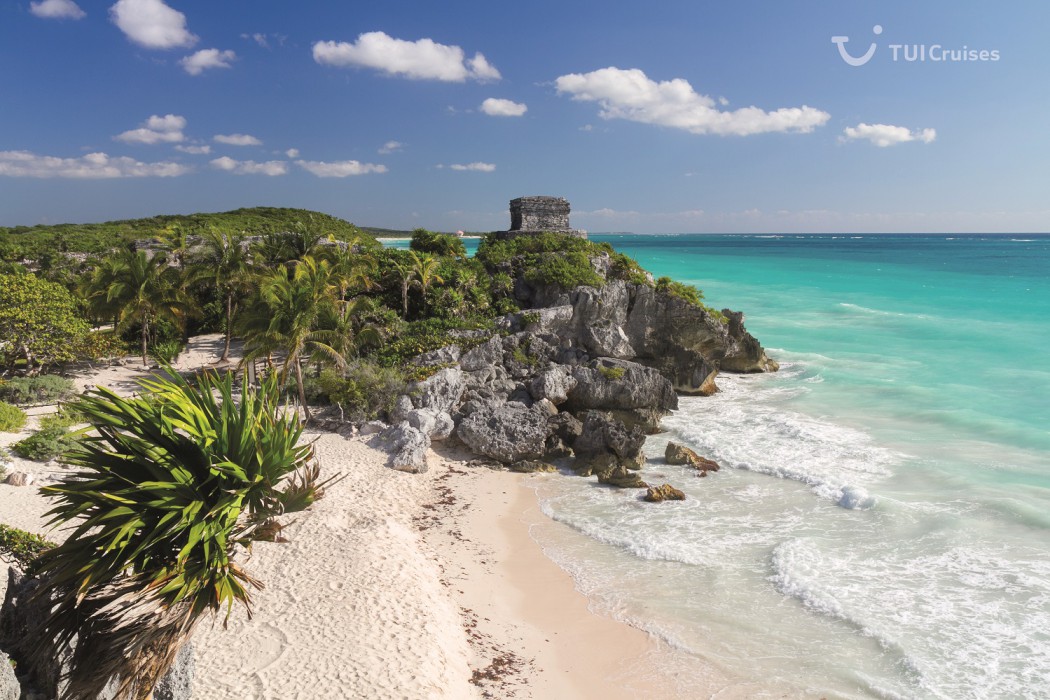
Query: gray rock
{"points": [[441, 392], [177, 683], [484, 355], [373, 427], [553, 384], [507, 432], [553, 320], [407, 447], [438, 425], [10, 688], [620, 384], [606, 443], [402, 407], [448, 355], [18, 479]]}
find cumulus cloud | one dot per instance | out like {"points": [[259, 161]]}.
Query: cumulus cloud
{"points": [[195, 150], [340, 168], [207, 58], [391, 147], [57, 9], [497, 107], [884, 135], [237, 140], [156, 129], [92, 166], [476, 167], [424, 59], [631, 95], [152, 24], [292, 153], [250, 167]]}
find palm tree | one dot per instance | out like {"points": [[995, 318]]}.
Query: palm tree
{"points": [[176, 242], [425, 268], [172, 487], [296, 303], [404, 274], [351, 268], [141, 289], [226, 266]]}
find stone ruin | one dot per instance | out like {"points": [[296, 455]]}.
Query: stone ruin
{"points": [[530, 216]]}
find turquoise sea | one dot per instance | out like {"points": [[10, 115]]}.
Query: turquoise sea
{"points": [[881, 524]]}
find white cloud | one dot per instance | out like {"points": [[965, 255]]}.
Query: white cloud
{"points": [[497, 107], [587, 127], [263, 40], [91, 166], [250, 167], [207, 58], [424, 59], [152, 24], [292, 153], [156, 129], [341, 168], [476, 166], [631, 95], [884, 135], [57, 9], [391, 147], [195, 150], [237, 140]]}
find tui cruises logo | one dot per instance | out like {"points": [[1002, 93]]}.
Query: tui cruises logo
{"points": [[915, 53], [847, 57]]}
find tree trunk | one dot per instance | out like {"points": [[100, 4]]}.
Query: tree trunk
{"points": [[229, 328], [404, 299], [302, 391], [145, 336]]}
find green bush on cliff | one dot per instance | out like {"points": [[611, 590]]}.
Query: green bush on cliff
{"points": [[611, 373], [416, 337], [566, 270], [363, 390]]}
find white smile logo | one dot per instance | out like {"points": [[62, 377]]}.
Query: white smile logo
{"points": [[841, 41]]}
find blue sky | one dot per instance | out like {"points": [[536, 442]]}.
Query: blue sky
{"points": [[649, 117]]}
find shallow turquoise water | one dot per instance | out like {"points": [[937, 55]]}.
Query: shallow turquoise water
{"points": [[881, 529]]}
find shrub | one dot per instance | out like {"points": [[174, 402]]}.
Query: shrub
{"points": [[12, 418], [428, 334], [102, 345], [20, 546], [165, 351], [45, 445], [612, 373], [39, 323], [564, 270], [66, 417], [44, 389], [442, 244], [680, 290], [363, 391], [624, 267]]}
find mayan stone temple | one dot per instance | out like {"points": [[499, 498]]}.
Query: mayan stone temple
{"points": [[534, 215]]}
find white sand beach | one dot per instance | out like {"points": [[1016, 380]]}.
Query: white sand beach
{"points": [[394, 585]]}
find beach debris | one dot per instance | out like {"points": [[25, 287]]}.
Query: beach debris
{"points": [[664, 492]]}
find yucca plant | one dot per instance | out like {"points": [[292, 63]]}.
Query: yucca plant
{"points": [[172, 486]]}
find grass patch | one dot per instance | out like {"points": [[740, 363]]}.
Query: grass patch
{"points": [[12, 418]]}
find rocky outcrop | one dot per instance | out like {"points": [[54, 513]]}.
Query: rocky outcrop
{"points": [[605, 443], [532, 466], [665, 492], [441, 392], [553, 384], [622, 477], [407, 447], [681, 455], [10, 688], [509, 432]]}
